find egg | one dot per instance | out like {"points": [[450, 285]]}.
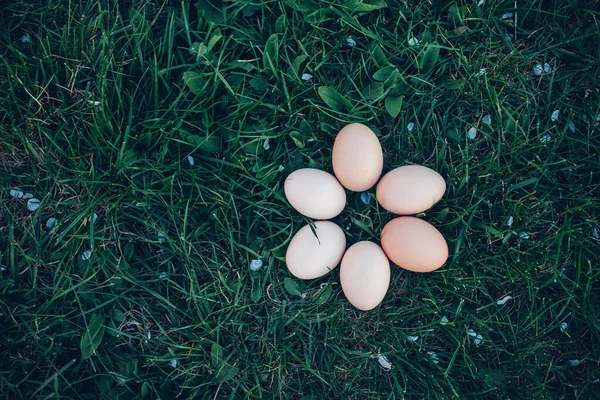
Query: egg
{"points": [[414, 244], [357, 157], [365, 275], [315, 193], [309, 256], [410, 189]]}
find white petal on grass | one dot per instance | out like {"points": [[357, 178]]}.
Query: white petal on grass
{"points": [[33, 204], [28, 196], [306, 77], [563, 326], [51, 222], [510, 221], [162, 275], [266, 144], [547, 68], [413, 338], [596, 233], [2, 269], [507, 15], [16, 194], [94, 103], [478, 340], [545, 139], [383, 361], [190, 160], [444, 321], [365, 197], [524, 235], [173, 363], [538, 69], [598, 117], [487, 119], [25, 39], [572, 127], [503, 301], [256, 264], [413, 41], [86, 255], [281, 168], [554, 115], [472, 133], [471, 332], [161, 237], [433, 357], [410, 127], [481, 72], [351, 42], [149, 335], [481, 2], [574, 363]]}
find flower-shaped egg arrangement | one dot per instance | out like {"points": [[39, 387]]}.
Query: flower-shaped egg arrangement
{"points": [[409, 242]]}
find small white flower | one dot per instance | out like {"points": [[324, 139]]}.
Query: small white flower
{"points": [[86, 255], [306, 77], [554, 115], [413, 41], [472, 133], [563, 326], [487, 119], [365, 197], [281, 168], [574, 363], [351, 42], [538, 69], [478, 340], [572, 127], [510, 221], [598, 117], [51, 222], [190, 160], [173, 363], [481, 2], [524, 235], [413, 338], [503, 301], [28, 196], [547, 68], [161, 237], [433, 357], [149, 335], [2, 269], [444, 321], [33, 204], [545, 139], [471, 332], [162, 275], [94, 103], [25, 39], [266, 144], [256, 264], [507, 15], [410, 127], [481, 72], [383, 361], [16, 194]]}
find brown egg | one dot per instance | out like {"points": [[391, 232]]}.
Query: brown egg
{"points": [[357, 157], [410, 189], [365, 275], [309, 256], [414, 244]]}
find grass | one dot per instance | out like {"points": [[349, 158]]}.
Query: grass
{"points": [[103, 104]]}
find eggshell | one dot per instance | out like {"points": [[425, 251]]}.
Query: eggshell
{"points": [[357, 157], [309, 256], [414, 244], [365, 275], [315, 193], [410, 189]]}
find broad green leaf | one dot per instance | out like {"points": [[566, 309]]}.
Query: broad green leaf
{"points": [[460, 30], [384, 73], [146, 390], [207, 143], [194, 81], [393, 105], [280, 24], [323, 295], [92, 337], [256, 292], [294, 69], [216, 355], [226, 373], [259, 84], [373, 91], [366, 5], [298, 139], [216, 36], [117, 315], [392, 79], [430, 57], [377, 55], [271, 54], [292, 287], [128, 251], [212, 10], [454, 84], [334, 100]]}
